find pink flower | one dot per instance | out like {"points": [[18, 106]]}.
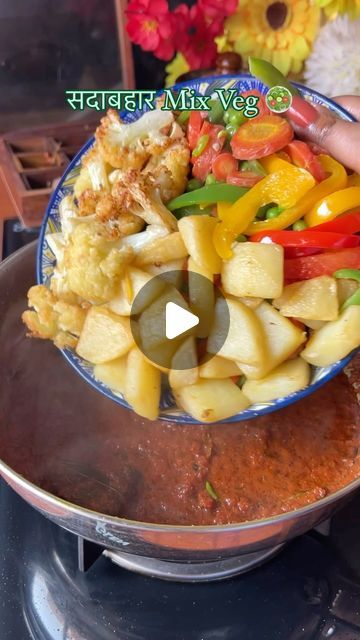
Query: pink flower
{"points": [[149, 24]]}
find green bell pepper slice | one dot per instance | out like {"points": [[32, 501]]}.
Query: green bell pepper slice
{"points": [[220, 192]]}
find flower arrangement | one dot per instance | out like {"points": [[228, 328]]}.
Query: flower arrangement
{"points": [[188, 31], [292, 34]]}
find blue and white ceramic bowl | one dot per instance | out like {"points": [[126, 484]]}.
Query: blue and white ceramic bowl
{"points": [[51, 224]]}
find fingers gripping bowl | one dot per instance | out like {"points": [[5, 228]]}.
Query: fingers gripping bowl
{"points": [[121, 232]]}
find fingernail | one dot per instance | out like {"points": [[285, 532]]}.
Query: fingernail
{"points": [[302, 112]]}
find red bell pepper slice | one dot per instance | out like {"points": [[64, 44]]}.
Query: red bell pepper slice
{"points": [[302, 156], [321, 264], [202, 163], [348, 223], [324, 240]]}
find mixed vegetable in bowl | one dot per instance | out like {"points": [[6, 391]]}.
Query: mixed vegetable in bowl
{"points": [[266, 219]]}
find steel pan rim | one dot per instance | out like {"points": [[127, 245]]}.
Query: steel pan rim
{"points": [[9, 474]]}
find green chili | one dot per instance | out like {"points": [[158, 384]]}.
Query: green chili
{"points": [[201, 145], [211, 491], [269, 75], [220, 192]]}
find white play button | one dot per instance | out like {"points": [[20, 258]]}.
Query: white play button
{"points": [[178, 320]]}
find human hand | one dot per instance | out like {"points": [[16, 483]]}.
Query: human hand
{"points": [[340, 138]]}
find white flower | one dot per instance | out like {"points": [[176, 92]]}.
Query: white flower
{"points": [[333, 67]]}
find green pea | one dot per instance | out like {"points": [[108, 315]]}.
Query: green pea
{"points": [[273, 212], [241, 238], [299, 225], [193, 184], [210, 179], [231, 129], [236, 117]]}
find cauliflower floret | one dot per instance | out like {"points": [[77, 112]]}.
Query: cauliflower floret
{"points": [[87, 202], [129, 146], [170, 169], [94, 162], [82, 182], [52, 318], [86, 265], [110, 210], [138, 193]]}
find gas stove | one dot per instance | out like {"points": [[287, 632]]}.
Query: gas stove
{"points": [[310, 590], [55, 586]]}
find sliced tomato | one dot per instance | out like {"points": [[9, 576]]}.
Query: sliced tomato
{"points": [[259, 137], [321, 264], [261, 105], [202, 164], [244, 178], [224, 165], [302, 156], [195, 123]]}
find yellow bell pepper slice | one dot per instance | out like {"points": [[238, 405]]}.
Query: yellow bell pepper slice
{"points": [[222, 209], [335, 181], [285, 186], [333, 205]]}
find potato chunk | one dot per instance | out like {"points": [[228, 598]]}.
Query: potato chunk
{"points": [[287, 378], [184, 369], [314, 299], [197, 234], [212, 400], [112, 373], [244, 338], [201, 296], [219, 367], [165, 249], [152, 325], [254, 270], [105, 336], [143, 385], [282, 338], [130, 285], [334, 340], [171, 271]]}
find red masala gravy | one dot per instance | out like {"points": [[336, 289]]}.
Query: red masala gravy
{"points": [[86, 449]]}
